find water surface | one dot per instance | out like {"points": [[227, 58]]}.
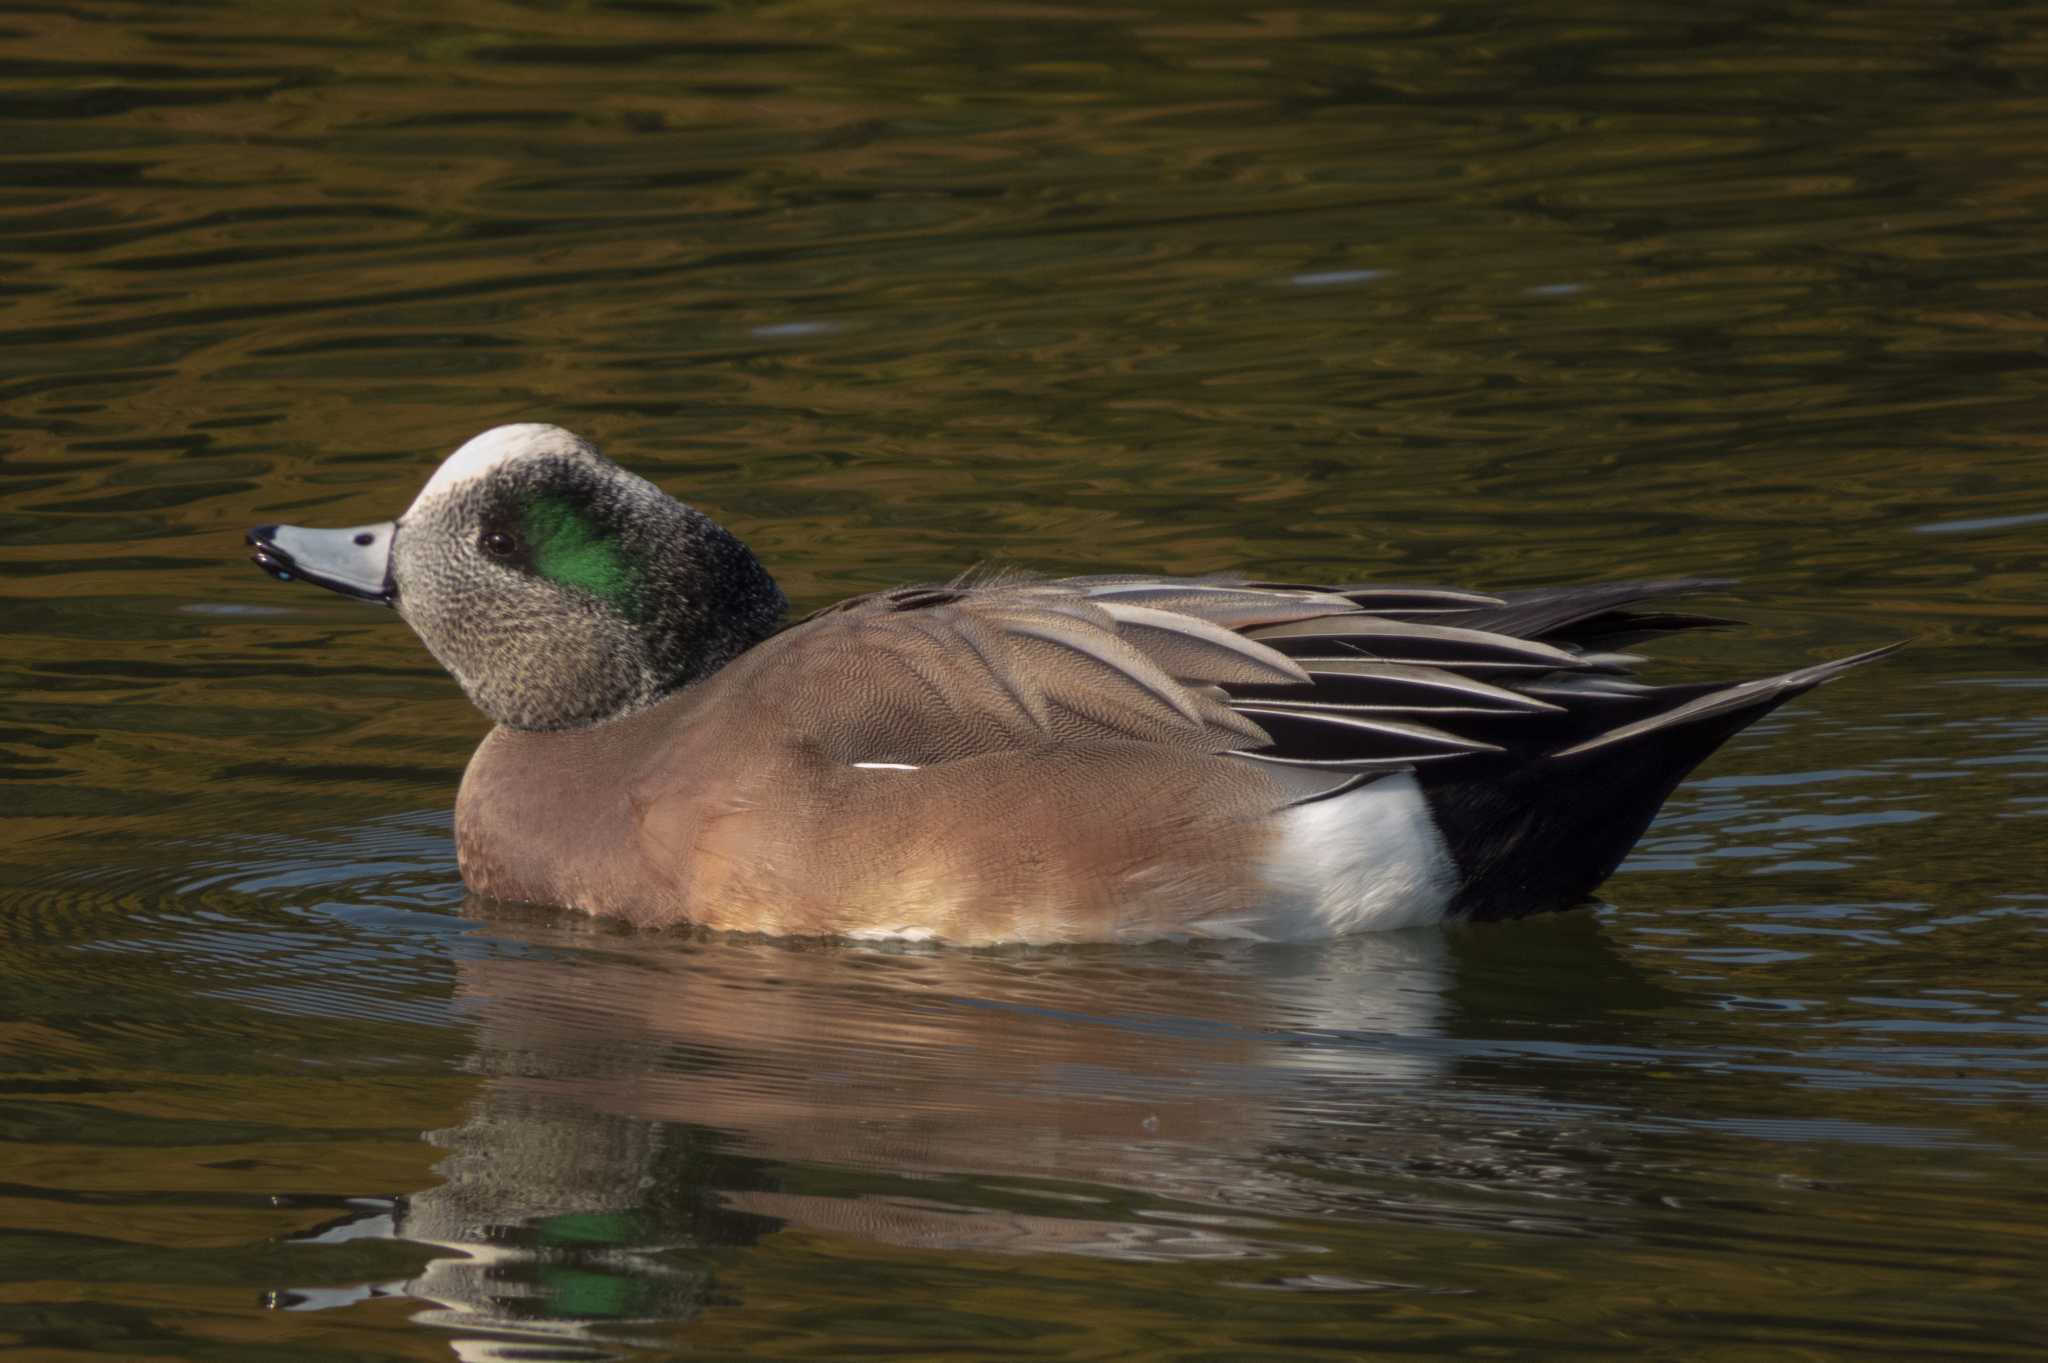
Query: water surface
{"points": [[1473, 294]]}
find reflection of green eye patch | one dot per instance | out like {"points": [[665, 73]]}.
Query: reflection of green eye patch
{"points": [[566, 549]]}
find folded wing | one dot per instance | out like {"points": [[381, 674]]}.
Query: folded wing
{"points": [[1347, 680]]}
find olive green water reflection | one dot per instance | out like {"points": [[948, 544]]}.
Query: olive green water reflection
{"points": [[1468, 294]]}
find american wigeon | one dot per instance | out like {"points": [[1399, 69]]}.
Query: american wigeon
{"points": [[1012, 759]]}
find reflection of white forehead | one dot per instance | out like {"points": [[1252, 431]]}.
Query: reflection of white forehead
{"points": [[485, 452]]}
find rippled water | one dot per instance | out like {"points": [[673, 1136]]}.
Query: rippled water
{"points": [[1476, 294]]}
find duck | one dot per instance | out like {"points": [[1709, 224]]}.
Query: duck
{"points": [[1006, 757]]}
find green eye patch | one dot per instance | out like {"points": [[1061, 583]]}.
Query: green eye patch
{"points": [[569, 550]]}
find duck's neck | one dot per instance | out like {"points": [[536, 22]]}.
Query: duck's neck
{"points": [[708, 600]]}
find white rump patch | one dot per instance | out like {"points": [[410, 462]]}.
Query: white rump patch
{"points": [[887, 766], [1363, 861], [483, 453]]}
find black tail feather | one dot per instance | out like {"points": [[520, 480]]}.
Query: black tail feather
{"points": [[1550, 613], [1530, 836]]}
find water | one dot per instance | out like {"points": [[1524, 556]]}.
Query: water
{"points": [[1460, 294]]}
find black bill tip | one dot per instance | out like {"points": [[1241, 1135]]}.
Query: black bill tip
{"points": [[266, 555]]}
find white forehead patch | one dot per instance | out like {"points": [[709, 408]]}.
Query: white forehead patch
{"points": [[485, 452]]}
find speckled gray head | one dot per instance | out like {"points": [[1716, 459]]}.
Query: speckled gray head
{"points": [[559, 589]]}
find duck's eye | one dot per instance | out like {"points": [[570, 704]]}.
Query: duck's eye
{"points": [[496, 543]]}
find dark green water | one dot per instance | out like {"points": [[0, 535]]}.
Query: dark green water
{"points": [[1472, 293]]}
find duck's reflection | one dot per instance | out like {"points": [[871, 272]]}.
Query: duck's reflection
{"points": [[652, 1103]]}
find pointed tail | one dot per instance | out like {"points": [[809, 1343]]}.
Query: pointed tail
{"points": [[1541, 834]]}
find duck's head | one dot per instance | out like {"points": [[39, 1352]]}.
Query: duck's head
{"points": [[559, 589]]}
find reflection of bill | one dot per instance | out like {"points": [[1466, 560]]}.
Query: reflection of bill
{"points": [[654, 1103]]}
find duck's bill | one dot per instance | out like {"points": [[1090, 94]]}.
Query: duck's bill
{"points": [[355, 562]]}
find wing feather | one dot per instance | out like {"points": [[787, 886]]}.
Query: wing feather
{"points": [[1347, 681], [1193, 649]]}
